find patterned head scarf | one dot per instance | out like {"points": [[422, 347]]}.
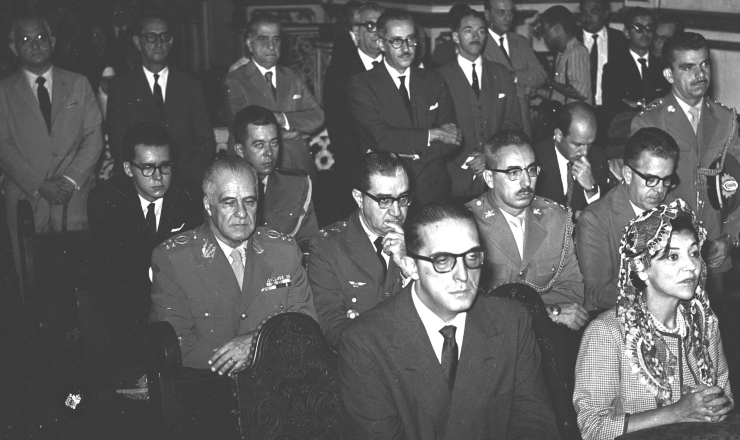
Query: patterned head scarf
{"points": [[643, 239]]}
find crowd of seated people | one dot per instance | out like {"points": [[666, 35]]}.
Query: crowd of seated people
{"points": [[609, 216]]}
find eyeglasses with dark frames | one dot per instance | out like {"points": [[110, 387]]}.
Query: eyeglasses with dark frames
{"points": [[385, 202], [515, 173], [149, 170], [396, 43], [371, 26], [652, 181], [152, 37], [444, 262]]}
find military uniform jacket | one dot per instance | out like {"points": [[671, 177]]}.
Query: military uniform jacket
{"points": [[545, 238], [344, 273], [695, 151], [289, 205], [196, 291]]}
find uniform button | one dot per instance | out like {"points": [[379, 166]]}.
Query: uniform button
{"points": [[354, 300], [282, 306], [208, 314], [386, 294], [244, 316], [523, 273]]}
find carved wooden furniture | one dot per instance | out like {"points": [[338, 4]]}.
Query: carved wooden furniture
{"points": [[551, 340]]}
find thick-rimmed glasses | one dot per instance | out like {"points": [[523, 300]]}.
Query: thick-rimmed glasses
{"points": [[371, 26], [152, 37], [652, 181], [385, 202], [149, 170], [396, 43], [515, 173], [444, 262]]}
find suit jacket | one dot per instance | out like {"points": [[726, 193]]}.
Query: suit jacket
{"points": [[598, 236], [345, 274], [196, 291], [616, 43], [130, 102], [246, 86], [545, 238], [622, 80], [695, 151], [289, 206], [550, 184], [384, 124], [495, 109], [30, 153], [118, 226], [393, 386]]}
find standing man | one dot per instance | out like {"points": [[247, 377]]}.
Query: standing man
{"points": [[527, 239], [650, 158], [356, 263], [700, 126], [217, 282], [285, 202], [666, 26], [50, 135], [406, 110], [484, 98], [262, 82], [573, 172], [439, 360], [514, 52], [158, 93]]}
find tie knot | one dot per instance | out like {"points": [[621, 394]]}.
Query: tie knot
{"points": [[236, 255], [595, 36], [156, 77], [402, 78], [694, 111], [501, 41], [517, 222], [268, 76], [642, 61], [448, 332], [376, 63], [150, 208], [40, 80]]}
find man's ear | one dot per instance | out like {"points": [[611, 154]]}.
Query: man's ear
{"points": [[206, 205], [668, 74], [627, 174], [239, 150], [379, 42], [558, 135], [456, 37], [488, 178], [127, 169], [626, 33], [408, 265], [357, 195], [53, 40], [136, 41]]}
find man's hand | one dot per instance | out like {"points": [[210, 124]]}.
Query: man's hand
{"points": [[233, 356], [719, 249], [572, 315], [703, 404], [394, 243], [57, 191], [447, 134], [478, 164], [583, 174]]}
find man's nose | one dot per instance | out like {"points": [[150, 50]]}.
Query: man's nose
{"points": [[525, 180], [395, 208], [460, 271], [241, 210], [157, 175]]}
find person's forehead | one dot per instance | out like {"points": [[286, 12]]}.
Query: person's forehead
{"points": [[691, 56], [393, 185], [148, 152], [449, 235], [651, 164], [582, 126], [472, 22], [643, 19], [30, 28], [399, 28], [515, 155], [592, 5], [154, 25], [502, 5], [268, 29], [230, 184], [261, 132]]}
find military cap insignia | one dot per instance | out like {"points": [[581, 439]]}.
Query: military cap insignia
{"points": [[209, 249], [277, 282]]}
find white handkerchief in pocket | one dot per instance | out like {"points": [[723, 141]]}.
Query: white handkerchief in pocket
{"points": [[296, 96], [501, 95], [436, 104]]}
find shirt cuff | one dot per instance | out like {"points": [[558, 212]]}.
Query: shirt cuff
{"points": [[77, 187], [595, 197], [287, 124]]}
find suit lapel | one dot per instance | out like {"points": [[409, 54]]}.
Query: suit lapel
{"points": [[499, 227], [256, 271], [390, 97], [419, 94], [216, 269], [534, 236], [59, 94], [25, 94], [174, 94], [284, 100], [271, 196], [622, 209], [260, 83]]}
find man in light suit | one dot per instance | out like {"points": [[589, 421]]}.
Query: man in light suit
{"points": [[262, 82], [406, 110], [650, 159], [514, 52], [356, 263], [484, 98], [439, 359], [216, 283], [158, 93], [527, 239], [50, 135]]}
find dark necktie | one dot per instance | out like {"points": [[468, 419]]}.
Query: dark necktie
{"points": [[376, 64], [503, 48], [449, 354], [44, 101], [261, 204], [405, 96], [569, 190], [594, 64], [379, 251], [151, 220], [158, 96], [268, 77], [476, 86], [644, 73]]}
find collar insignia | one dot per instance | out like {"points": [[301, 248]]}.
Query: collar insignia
{"points": [[209, 249], [490, 213], [671, 109]]}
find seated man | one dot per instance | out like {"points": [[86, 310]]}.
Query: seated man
{"points": [[285, 203], [650, 158], [216, 283], [437, 360], [356, 263], [527, 239]]}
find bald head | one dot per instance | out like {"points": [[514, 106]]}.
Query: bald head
{"points": [[575, 130]]}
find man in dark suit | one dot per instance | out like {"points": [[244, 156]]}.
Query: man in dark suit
{"points": [[515, 53], [439, 360], [573, 173], [650, 159], [262, 82], [163, 95], [356, 263], [406, 110], [217, 282], [286, 203], [484, 98]]}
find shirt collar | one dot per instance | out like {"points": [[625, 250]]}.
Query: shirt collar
{"points": [[394, 73], [48, 76], [370, 234], [636, 57], [430, 319], [163, 74], [603, 35], [495, 35], [636, 209], [685, 106], [145, 204], [509, 218], [263, 70], [466, 64], [366, 60], [228, 249]]}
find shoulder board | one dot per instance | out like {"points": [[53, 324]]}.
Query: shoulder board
{"points": [[653, 105], [545, 203], [291, 172], [475, 204], [334, 229], [270, 234], [718, 103], [180, 240]]}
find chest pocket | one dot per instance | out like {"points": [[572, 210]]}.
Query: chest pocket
{"points": [[546, 269], [270, 301], [211, 318]]}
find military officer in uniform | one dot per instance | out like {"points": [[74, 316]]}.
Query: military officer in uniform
{"points": [[285, 203], [216, 283], [527, 239], [701, 127], [355, 264]]}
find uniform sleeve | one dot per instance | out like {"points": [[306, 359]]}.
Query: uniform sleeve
{"points": [[91, 139], [300, 295], [327, 292], [600, 279], [310, 116], [569, 286]]}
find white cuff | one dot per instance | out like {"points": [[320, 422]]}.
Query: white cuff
{"points": [[595, 197]]}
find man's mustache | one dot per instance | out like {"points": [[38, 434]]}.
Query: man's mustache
{"points": [[525, 191]]}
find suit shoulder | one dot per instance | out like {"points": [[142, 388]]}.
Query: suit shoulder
{"points": [[287, 71], [496, 68], [503, 307], [186, 79], [185, 188], [513, 36], [428, 75]]}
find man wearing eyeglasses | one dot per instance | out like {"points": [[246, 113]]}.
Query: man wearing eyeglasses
{"points": [[406, 110], [159, 93], [438, 359], [50, 135], [527, 239], [356, 263], [650, 158]]}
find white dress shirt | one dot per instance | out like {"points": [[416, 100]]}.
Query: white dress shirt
{"points": [[519, 232], [48, 76], [433, 324], [467, 68], [636, 208], [394, 75], [157, 208], [563, 166], [603, 43], [637, 57], [367, 61], [162, 81]]}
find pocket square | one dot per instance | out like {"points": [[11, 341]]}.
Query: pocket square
{"points": [[178, 229], [501, 95], [436, 104], [296, 96]]}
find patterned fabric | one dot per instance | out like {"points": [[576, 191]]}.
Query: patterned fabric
{"points": [[573, 67]]}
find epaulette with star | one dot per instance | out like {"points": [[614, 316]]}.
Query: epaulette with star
{"points": [[263, 231], [653, 105], [545, 203], [718, 103], [181, 240], [333, 229]]}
